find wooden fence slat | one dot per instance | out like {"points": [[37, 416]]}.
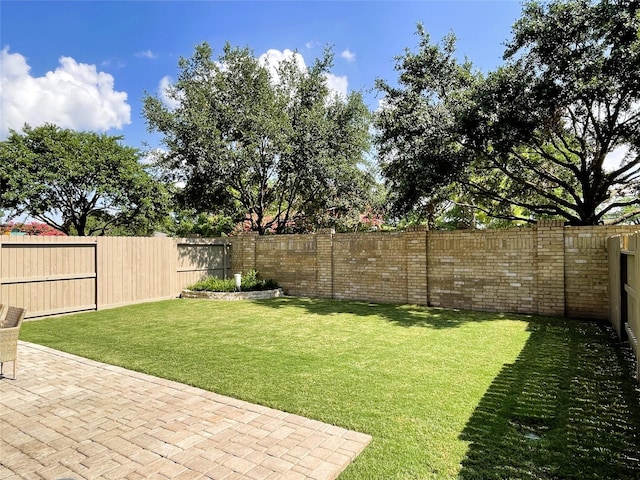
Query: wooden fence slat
{"points": [[631, 291], [634, 307], [46, 278], [613, 249]]}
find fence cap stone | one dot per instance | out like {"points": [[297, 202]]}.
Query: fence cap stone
{"points": [[550, 223]]}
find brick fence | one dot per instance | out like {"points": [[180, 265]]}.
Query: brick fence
{"points": [[549, 269]]}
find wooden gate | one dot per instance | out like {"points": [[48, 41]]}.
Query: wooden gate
{"points": [[624, 289]]}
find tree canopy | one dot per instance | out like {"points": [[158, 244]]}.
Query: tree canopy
{"points": [[81, 183], [269, 145], [555, 131]]}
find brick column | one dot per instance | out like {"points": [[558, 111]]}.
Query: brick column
{"points": [[324, 262], [416, 248], [243, 252], [550, 271]]}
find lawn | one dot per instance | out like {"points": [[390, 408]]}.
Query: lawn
{"points": [[444, 394]]}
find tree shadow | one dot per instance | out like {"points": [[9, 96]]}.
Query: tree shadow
{"points": [[399, 314], [208, 256], [568, 408]]}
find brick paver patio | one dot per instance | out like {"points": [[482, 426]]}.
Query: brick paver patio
{"points": [[69, 417]]}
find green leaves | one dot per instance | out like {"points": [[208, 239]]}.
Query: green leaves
{"points": [[419, 149], [539, 134], [269, 142], [81, 183]]}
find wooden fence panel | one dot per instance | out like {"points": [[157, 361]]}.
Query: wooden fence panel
{"points": [[136, 269], [624, 281], [632, 290], [615, 288], [48, 275], [198, 259]]}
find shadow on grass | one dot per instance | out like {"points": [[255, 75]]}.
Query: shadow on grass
{"points": [[567, 408], [398, 314]]}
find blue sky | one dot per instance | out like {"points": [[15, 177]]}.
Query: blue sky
{"points": [[87, 64]]}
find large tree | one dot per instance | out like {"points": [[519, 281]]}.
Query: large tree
{"points": [[554, 132], [81, 183], [270, 143]]}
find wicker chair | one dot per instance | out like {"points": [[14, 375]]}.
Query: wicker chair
{"points": [[9, 329]]}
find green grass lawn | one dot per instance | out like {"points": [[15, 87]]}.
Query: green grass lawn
{"points": [[444, 394]]}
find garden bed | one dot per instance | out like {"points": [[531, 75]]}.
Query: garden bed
{"points": [[252, 295]]}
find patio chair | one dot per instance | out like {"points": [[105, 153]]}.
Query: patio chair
{"points": [[9, 330]]}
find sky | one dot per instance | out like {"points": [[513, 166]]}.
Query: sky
{"points": [[87, 65]]}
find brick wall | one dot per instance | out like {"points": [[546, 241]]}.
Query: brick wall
{"points": [[483, 270], [291, 260], [548, 269], [370, 266]]}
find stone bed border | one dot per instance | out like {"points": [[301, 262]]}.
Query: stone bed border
{"points": [[254, 295]]}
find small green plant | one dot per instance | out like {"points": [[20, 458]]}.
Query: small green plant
{"points": [[250, 282], [213, 284]]}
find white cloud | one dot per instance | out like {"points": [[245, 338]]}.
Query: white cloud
{"points": [[163, 90], [272, 58], [113, 63], [337, 85], [152, 156], [75, 96], [382, 103], [348, 55], [146, 54]]}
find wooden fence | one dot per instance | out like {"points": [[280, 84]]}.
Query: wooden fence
{"points": [[624, 289], [55, 275]]}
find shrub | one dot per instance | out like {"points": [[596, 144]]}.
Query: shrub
{"points": [[250, 282], [31, 228]]}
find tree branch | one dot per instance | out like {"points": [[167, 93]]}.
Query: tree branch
{"points": [[619, 204], [625, 217]]}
